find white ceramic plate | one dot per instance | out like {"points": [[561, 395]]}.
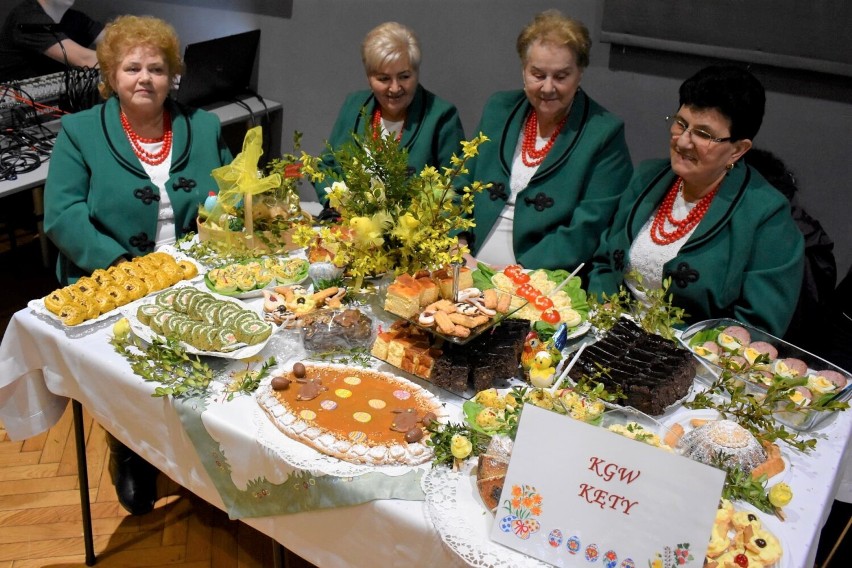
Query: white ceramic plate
{"points": [[147, 334]]}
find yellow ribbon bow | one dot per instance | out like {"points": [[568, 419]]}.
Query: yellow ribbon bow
{"points": [[241, 178]]}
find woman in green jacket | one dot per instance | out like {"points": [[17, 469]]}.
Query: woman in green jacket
{"points": [[706, 219], [126, 176], [557, 160], [427, 126]]}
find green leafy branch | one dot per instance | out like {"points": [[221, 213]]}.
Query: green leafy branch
{"points": [[247, 380], [730, 397], [655, 315], [741, 486], [440, 439], [352, 356], [167, 363]]}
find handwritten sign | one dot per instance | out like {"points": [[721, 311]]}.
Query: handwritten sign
{"points": [[576, 494]]}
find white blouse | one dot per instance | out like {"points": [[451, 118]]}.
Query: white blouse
{"points": [[159, 176], [648, 258], [497, 249]]}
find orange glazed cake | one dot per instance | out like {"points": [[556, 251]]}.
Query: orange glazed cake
{"points": [[357, 415]]}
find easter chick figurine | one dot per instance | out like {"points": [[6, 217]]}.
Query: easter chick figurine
{"points": [[543, 370], [533, 346]]}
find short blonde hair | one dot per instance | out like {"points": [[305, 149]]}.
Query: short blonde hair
{"points": [[128, 32], [551, 26], [388, 43]]}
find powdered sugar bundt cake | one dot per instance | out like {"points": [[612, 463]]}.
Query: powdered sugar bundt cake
{"points": [[723, 438]]}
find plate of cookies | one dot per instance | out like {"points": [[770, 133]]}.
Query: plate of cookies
{"points": [[475, 312], [457, 313]]}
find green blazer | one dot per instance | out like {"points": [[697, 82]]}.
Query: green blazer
{"points": [[744, 260], [99, 202], [432, 131], [570, 200]]}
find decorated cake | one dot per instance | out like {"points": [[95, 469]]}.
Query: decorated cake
{"points": [[357, 415], [651, 371]]}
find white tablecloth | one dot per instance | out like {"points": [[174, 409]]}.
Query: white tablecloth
{"points": [[41, 365]]}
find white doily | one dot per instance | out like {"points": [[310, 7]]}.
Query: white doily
{"points": [[304, 457], [455, 509]]}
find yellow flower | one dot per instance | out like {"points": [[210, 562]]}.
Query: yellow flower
{"points": [[121, 328], [337, 193], [406, 229], [460, 446], [780, 494]]}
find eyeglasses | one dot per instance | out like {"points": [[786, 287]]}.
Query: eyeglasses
{"points": [[678, 127]]}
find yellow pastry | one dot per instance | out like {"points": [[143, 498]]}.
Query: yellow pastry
{"points": [[56, 299], [189, 269], [72, 314], [86, 286], [742, 519], [764, 546], [104, 302], [719, 541]]}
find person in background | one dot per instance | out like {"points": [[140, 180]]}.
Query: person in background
{"points": [[397, 104], [127, 176], [820, 268], [705, 218], [44, 36], [557, 160]]}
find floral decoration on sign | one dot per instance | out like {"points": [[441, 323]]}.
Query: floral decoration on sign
{"points": [[525, 504], [672, 557], [390, 220]]}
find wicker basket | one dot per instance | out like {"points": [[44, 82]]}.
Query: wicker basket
{"points": [[264, 242]]}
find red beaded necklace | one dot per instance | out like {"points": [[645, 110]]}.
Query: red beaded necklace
{"points": [[529, 154], [136, 141], [377, 125], [658, 228]]}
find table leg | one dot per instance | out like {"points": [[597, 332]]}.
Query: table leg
{"points": [[279, 554], [83, 477]]}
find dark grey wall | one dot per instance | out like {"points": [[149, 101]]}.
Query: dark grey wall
{"points": [[309, 60]]}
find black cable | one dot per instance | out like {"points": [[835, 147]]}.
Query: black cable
{"points": [[243, 104], [22, 151]]}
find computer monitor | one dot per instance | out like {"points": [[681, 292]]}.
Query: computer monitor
{"points": [[217, 70]]}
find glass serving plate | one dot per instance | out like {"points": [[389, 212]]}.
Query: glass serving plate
{"points": [[803, 419], [291, 270], [516, 304], [636, 425]]}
